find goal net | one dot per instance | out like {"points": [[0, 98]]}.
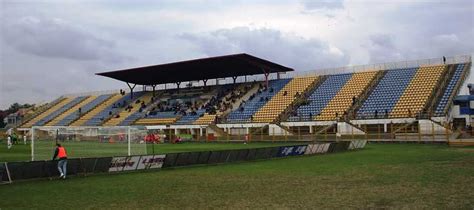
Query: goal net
{"points": [[87, 141]]}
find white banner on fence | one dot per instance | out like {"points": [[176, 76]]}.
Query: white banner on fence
{"points": [[151, 161], [124, 163], [323, 148], [131, 163], [357, 144], [317, 148]]}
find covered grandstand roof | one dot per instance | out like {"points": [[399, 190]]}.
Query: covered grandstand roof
{"points": [[199, 69]]}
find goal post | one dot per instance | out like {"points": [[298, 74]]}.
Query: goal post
{"points": [[80, 142]]}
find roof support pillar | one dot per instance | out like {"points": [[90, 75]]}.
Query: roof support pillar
{"points": [[266, 79], [153, 87], [234, 78], [178, 84], [131, 89]]}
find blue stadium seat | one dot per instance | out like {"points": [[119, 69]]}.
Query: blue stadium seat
{"points": [[255, 104], [387, 93], [321, 96]]}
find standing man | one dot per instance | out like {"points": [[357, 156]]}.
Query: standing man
{"points": [[60, 153], [24, 139]]}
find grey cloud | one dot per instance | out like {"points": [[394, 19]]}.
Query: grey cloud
{"points": [[57, 39], [286, 49], [424, 30], [382, 48], [323, 4]]}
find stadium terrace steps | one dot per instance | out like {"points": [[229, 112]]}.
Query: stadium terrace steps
{"points": [[418, 92], [284, 98], [252, 106], [61, 110], [57, 106], [84, 110], [97, 109], [39, 110], [364, 95], [386, 94], [343, 100], [123, 114], [450, 91], [206, 119], [320, 97], [253, 90], [435, 97], [111, 110], [71, 110]]}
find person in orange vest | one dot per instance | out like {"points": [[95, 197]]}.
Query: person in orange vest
{"points": [[60, 153]]}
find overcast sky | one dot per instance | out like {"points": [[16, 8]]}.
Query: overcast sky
{"points": [[49, 48]]}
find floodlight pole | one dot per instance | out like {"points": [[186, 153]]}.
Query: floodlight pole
{"points": [[131, 89]]}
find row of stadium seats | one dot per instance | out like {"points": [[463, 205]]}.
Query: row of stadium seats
{"points": [[253, 105], [345, 98], [285, 97], [443, 102], [156, 121], [321, 96], [205, 120], [418, 92], [190, 118]]}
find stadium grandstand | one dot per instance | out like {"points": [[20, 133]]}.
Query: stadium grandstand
{"points": [[245, 94]]}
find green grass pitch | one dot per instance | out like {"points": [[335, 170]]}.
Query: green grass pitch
{"points": [[406, 176]]}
